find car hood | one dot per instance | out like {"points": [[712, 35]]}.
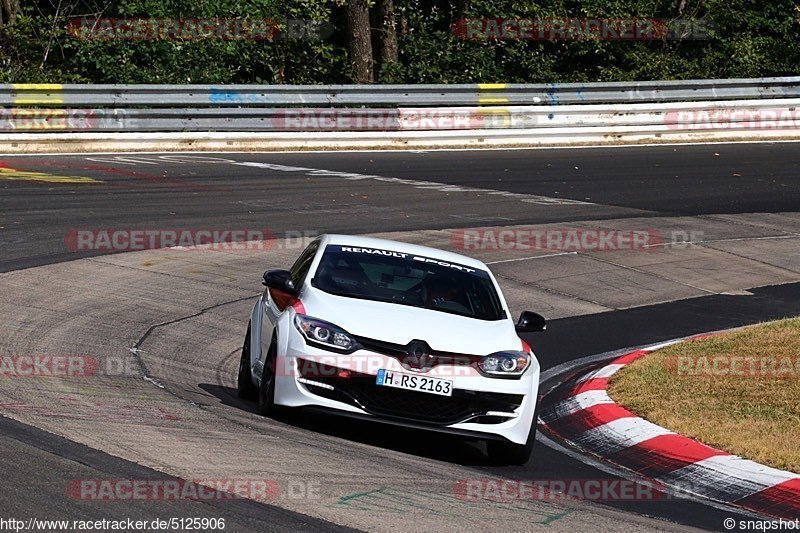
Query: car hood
{"points": [[401, 324]]}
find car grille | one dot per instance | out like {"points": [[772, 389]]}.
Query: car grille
{"points": [[390, 348], [404, 353], [361, 391]]}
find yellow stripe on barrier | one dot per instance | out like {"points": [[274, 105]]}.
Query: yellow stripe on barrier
{"points": [[36, 93], [492, 100], [37, 86], [11, 174]]}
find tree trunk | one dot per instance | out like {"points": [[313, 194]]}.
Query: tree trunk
{"points": [[461, 7], [388, 29], [359, 39], [9, 11]]}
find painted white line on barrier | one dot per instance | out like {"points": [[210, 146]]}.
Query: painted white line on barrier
{"points": [[302, 141], [418, 150]]}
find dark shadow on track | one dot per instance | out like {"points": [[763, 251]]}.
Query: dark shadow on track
{"points": [[411, 441]]}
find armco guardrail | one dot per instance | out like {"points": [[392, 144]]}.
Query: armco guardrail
{"points": [[100, 117], [729, 114], [395, 95]]}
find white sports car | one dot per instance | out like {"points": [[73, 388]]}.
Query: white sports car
{"points": [[395, 333]]}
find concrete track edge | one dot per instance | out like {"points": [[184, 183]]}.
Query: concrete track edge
{"points": [[27, 143]]}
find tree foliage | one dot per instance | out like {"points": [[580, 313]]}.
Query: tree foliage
{"points": [[749, 39]]}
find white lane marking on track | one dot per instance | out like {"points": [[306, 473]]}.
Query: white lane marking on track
{"points": [[532, 257], [353, 176], [181, 159], [132, 161], [432, 185], [135, 160]]}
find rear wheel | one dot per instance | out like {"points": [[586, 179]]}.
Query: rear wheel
{"points": [[266, 392], [244, 381]]}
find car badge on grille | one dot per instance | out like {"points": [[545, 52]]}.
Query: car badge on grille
{"points": [[418, 356]]}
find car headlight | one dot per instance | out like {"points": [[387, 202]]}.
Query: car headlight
{"points": [[504, 364], [317, 331]]}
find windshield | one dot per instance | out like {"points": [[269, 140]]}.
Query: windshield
{"points": [[408, 279]]}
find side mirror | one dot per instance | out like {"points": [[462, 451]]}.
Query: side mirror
{"points": [[530, 322], [280, 280]]}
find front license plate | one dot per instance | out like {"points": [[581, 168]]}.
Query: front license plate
{"points": [[389, 378]]}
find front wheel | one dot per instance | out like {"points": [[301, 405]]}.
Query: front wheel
{"points": [[266, 392], [244, 381], [502, 452]]}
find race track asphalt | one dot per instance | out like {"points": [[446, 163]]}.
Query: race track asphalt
{"points": [[173, 191]]}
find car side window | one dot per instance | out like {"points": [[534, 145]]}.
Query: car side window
{"points": [[303, 263]]}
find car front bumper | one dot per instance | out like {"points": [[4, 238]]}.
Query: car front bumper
{"points": [[480, 406]]}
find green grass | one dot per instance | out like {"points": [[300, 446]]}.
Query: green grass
{"points": [[752, 411]]}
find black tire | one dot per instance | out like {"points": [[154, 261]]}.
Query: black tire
{"points": [[266, 392], [244, 382], [503, 452]]}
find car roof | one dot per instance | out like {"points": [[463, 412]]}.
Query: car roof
{"points": [[397, 246]]}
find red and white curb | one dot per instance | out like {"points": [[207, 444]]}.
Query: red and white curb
{"points": [[583, 415]]}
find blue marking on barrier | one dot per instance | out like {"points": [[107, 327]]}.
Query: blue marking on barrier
{"points": [[552, 97], [223, 95]]}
